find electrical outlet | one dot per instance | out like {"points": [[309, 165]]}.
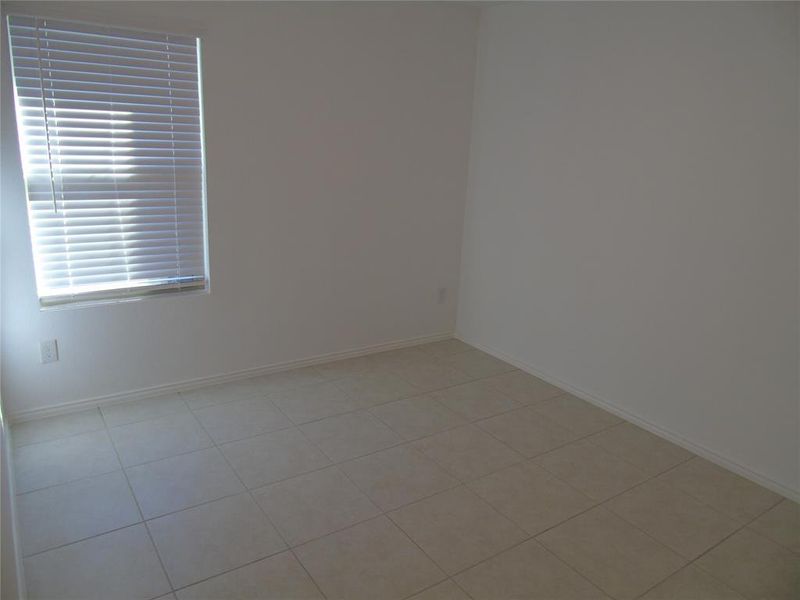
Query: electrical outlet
{"points": [[49, 351], [442, 295]]}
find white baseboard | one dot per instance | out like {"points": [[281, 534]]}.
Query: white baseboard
{"points": [[182, 386], [673, 437]]}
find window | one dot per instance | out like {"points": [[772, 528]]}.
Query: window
{"points": [[110, 132]]}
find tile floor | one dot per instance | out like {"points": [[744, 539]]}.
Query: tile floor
{"points": [[432, 472]]}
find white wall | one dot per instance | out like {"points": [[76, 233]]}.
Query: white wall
{"points": [[12, 581], [632, 214], [337, 147]]}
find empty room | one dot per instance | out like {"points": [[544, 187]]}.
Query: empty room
{"points": [[399, 300]]}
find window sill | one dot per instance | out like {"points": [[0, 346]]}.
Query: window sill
{"points": [[134, 297]]}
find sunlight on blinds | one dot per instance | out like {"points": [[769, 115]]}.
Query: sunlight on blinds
{"points": [[111, 141]]}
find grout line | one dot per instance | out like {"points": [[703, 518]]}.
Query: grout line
{"points": [[58, 438], [687, 561], [385, 513], [68, 482], [460, 587], [225, 572], [438, 583], [139, 508], [411, 443], [419, 342], [528, 537], [425, 589], [298, 426], [266, 395], [458, 483], [533, 537], [249, 492], [434, 561], [691, 562], [83, 539], [673, 437], [310, 576]]}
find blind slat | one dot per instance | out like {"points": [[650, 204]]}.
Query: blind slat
{"points": [[110, 134]]}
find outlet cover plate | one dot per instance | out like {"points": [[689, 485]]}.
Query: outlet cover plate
{"points": [[48, 351]]}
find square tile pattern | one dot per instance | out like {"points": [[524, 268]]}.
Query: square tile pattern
{"points": [[457, 529], [312, 505], [435, 472]]}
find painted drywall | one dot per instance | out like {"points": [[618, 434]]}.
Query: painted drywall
{"points": [[337, 147], [632, 214]]}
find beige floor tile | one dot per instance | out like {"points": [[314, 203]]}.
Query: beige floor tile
{"points": [[293, 378], [44, 464], [142, 410], [340, 369], [781, 524], [279, 577], [527, 431], [417, 417], [754, 566], [376, 387], [477, 400], [526, 572], [207, 540], [729, 493], [619, 558], [121, 565], [178, 482], [591, 470], [312, 505], [649, 452], [531, 497], [155, 439], [397, 476], [577, 415], [427, 374], [221, 393], [401, 356], [381, 362], [445, 347], [467, 452], [73, 511], [523, 387], [351, 435], [311, 402], [690, 583], [53, 428], [673, 518], [240, 419], [457, 529], [477, 364], [447, 590], [272, 383], [368, 561], [273, 456]]}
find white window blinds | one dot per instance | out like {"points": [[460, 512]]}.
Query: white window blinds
{"points": [[110, 131]]}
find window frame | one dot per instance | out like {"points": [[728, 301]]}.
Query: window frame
{"points": [[128, 293]]}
